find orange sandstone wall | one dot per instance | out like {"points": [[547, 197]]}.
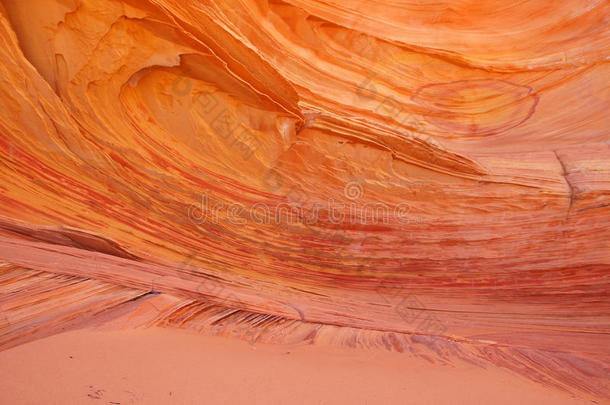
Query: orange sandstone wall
{"points": [[423, 176]]}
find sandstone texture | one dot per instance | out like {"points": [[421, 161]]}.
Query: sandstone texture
{"points": [[424, 177]]}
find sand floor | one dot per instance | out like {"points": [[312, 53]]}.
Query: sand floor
{"points": [[166, 366]]}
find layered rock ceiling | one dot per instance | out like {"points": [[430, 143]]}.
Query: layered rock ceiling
{"points": [[430, 177]]}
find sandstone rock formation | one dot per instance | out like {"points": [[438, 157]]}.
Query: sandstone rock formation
{"points": [[429, 177]]}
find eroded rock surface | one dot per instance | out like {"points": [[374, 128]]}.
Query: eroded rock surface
{"points": [[431, 177]]}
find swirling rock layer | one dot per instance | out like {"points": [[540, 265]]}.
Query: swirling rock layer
{"points": [[431, 177]]}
